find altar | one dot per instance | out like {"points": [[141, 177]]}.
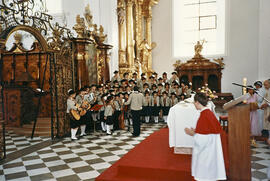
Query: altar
{"points": [[183, 115]]}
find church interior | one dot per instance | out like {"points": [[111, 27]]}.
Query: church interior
{"points": [[69, 70]]}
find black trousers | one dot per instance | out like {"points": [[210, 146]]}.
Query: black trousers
{"points": [[116, 120], [136, 122], [89, 121]]}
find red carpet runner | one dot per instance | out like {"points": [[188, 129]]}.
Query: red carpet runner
{"points": [[151, 160]]}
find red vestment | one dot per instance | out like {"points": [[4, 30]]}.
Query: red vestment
{"points": [[208, 123]]}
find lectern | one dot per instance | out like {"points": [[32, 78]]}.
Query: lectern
{"points": [[239, 139]]}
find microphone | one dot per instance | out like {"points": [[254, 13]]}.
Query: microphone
{"points": [[248, 87]]}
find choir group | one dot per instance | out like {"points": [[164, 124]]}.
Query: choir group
{"points": [[105, 102]]}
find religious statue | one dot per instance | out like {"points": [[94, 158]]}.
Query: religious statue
{"points": [[101, 35], [18, 38], [79, 27], [144, 53], [220, 62], [88, 16], [95, 29], [198, 49], [177, 64], [121, 12]]}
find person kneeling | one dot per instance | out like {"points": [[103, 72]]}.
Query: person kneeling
{"points": [[207, 155]]}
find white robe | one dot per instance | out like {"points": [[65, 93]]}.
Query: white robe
{"points": [[207, 158], [261, 93], [183, 115]]}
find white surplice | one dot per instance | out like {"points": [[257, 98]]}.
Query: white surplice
{"points": [[207, 157], [183, 115]]}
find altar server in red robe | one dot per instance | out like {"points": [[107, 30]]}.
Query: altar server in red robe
{"points": [[207, 154]]}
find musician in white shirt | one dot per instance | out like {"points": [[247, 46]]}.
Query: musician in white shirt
{"points": [[71, 104]]}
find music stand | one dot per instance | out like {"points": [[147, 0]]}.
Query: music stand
{"points": [[96, 108]]}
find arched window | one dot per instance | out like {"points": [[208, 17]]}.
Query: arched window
{"points": [[196, 20]]}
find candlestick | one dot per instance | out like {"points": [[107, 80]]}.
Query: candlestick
{"points": [[244, 84]]}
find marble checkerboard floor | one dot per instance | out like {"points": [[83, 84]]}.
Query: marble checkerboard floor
{"points": [[86, 158], [16, 142]]}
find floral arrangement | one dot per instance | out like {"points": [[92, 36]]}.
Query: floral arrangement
{"points": [[205, 89]]}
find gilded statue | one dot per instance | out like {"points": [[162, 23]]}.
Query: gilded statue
{"points": [[18, 37], [95, 29], [79, 27], [88, 16], [177, 64], [101, 35], [145, 51], [121, 12], [198, 49], [220, 62]]}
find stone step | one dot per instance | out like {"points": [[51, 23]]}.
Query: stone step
{"points": [[28, 131], [29, 128], [37, 126], [43, 128]]}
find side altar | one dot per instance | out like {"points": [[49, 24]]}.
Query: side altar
{"points": [[201, 71]]}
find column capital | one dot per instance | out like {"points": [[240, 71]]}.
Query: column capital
{"points": [[153, 2], [130, 2], [140, 2]]}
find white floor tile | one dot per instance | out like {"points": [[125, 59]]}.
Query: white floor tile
{"points": [[32, 162], [98, 166], [21, 179], [89, 157], [111, 158], [77, 164], [55, 163], [14, 170], [88, 175], [47, 155], [79, 150], [99, 151], [38, 171], [67, 156], [63, 173]]}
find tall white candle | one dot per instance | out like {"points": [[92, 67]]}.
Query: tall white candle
{"points": [[244, 84]]}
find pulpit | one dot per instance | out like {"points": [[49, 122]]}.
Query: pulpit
{"points": [[239, 139]]}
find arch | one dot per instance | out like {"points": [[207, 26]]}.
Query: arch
{"points": [[35, 32], [197, 82], [213, 82], [184, 79]]}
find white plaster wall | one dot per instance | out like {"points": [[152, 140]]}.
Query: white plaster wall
{"points": [[243, 32], [242, 42], [162, 35], [108, 19], [71, 9], [264, 40]]}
